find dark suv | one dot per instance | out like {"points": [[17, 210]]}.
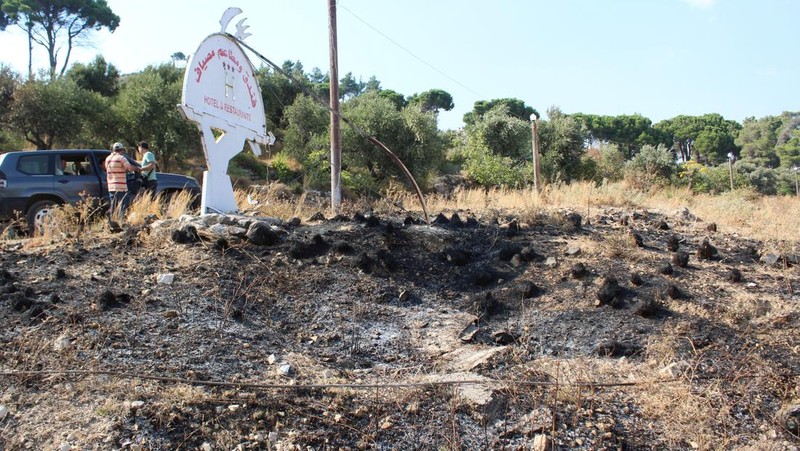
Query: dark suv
{"points": [[31, 182]]}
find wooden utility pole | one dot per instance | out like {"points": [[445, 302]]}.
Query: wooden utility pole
{"points": [[336, 137], [535, 139], [731, 157]]}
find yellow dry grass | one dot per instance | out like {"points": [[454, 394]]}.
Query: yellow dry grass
{"points": [[767, 218]]}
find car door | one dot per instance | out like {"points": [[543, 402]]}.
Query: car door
{"points": [[100, 166], [32, 175], [76, 177]]}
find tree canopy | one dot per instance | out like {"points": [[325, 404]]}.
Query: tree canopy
{"points": [[433, 100], [98, 76], [516, 108], [49, 21]]}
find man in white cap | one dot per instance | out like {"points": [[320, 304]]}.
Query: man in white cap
{"points": [[117, 168]]}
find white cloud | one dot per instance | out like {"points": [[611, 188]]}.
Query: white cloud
{"points": [[702, 4]]}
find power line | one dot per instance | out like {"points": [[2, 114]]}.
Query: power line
{"points": [[375, 29]]}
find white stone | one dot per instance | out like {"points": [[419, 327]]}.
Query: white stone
{"points": [[220, 230], [64, 447], [273, 437], [286, 369], [206, 446], [62, 343], [272, 359], [3, 412], [669, 370], [167, 278], [137, 404], [541, 442]]}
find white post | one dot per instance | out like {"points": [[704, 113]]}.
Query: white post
{"points": [[731, 157], [535, 139]]}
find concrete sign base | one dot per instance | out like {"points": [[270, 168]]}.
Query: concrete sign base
{"points": [[218, 194]]}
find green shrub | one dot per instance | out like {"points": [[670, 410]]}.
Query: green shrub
{"points": [[488, 169], [651, 166], [245, 164], [360, 183], [282, 167]]}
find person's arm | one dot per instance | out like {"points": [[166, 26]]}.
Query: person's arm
{"points": [[130, 167], [148, 163]]}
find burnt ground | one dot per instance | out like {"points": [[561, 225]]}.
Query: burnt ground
{"points": [[625, 330]]}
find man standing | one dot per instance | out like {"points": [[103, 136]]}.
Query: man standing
{"points": [[117, 167], [148, 168]]}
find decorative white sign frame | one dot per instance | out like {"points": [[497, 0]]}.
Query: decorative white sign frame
{"points": [[222, 96]]}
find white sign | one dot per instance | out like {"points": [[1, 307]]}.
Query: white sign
{"points": [[221, 95]]}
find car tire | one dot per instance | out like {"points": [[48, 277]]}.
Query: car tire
{"points": [[37, 215]]}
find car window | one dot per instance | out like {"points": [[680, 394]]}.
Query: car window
{"points": [[101, 160], [74, 164], [34, 164]]}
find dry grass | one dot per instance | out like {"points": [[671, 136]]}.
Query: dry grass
{"points": [[772, 219]]}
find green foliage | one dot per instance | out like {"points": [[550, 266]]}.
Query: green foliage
{"points": [[146, 110], [787, 181], [629, 132], [307, 128], [54, 21], [515, 107], [250, 165], [708, 138], [49, 113], [411, 134], [283, 169], [762, 180], [350, 87], [97, 76], [713, 179], [502, 134], [758, 138], [611, 165], [9, 82], [396, 98], [279, 91], [317, 169], [652, 166], [489, 169], [789, 152], [359, 182], [372, 84], [561, 146], [587, 170], [433, 100]]}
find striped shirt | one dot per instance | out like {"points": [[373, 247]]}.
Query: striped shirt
{"points": [[117, 167]]}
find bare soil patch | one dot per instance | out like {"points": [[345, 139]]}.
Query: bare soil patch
{"points": [[625, 330]]}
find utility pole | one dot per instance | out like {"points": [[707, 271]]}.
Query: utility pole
{"points": [[535, 139], [731, 157], [796, 186], [336, 138]]}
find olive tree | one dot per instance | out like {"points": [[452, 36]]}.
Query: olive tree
{"points": [[54, 112], [146, 106]]}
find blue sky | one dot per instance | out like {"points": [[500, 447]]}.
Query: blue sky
{"points": [[658, 58]]}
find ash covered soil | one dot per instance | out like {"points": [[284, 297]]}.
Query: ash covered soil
{"points": [[627, 329]]}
